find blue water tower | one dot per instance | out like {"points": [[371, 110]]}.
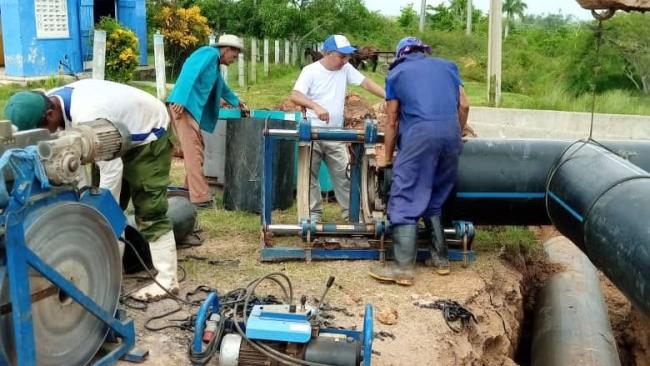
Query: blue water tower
{"points": [[43, 37]]}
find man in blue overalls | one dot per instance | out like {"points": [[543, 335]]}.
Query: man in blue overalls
{"points": [[427, 109]]}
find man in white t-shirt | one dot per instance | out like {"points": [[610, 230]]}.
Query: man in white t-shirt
{"points": [[320, 89]]}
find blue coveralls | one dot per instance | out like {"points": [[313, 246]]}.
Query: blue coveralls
{"points": [[429, 141]]}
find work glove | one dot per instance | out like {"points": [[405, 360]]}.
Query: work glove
{"points": [[385, 178]]}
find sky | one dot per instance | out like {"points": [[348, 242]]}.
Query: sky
{"points": [[568, 7]]}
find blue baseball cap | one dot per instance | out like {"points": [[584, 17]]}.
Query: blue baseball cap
{"points": [[407, 44], [338, 43]]}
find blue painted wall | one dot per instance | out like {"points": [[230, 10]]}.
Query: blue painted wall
{"points": [[133, 14], [25, 55]]}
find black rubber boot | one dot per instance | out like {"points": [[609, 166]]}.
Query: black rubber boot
{"points": [[438, 246], [404, 250]]}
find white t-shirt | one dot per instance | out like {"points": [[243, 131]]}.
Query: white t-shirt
{"points": [[87, 100], [143, 114], [327, 88]]}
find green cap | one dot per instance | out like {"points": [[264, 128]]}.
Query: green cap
{"points": [[25, 110]]}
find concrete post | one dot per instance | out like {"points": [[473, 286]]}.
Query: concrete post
{"points": [[242, 80], [159, 61], [423, 13], [294, 56], [494, 54], [212, 40], [276, 49], [286, 51], [253, 75], [99, 54], [266, 57], [468, 30]]}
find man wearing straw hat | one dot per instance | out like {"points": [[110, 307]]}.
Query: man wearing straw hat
{"points": [[194, 104]]}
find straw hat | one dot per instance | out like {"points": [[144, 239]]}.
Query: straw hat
{"points": [[230, 40]]}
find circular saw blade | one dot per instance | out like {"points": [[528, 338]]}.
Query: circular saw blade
{"points": [[77, 241]]}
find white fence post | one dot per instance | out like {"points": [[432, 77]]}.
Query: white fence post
{"points": [[242, 80], [212, 40], [159, 61], [294, 57], [99, 54], [266, 57], [276, 49], [253, 75], [286, 51]]}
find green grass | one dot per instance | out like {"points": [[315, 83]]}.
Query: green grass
{"points": [[493, 238]]}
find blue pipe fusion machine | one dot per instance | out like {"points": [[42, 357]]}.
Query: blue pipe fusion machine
{"points": [[367, 236]]}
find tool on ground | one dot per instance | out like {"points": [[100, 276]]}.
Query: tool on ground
{"points": [[60, 267], [274, 334], [451, 312]]}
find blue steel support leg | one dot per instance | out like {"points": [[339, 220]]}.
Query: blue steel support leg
{"points": [[267, 180], [126, 329], [21, 314], [355, 182]]}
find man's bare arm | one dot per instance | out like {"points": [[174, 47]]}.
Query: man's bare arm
{"points": [[391, 129], [373, 87], [302, 100], [463, 108]]}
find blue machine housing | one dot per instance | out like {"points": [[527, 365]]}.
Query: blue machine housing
{"points": [[29, 194], [278, 323]]}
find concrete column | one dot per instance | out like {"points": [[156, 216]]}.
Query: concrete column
{"points": [[212, 40], [494, 54], [276, 49], [468, 29], [294, 56], [241, 62], [99, 54], [253, 75], [266, 57], [423, 13], [159, 61], [287, 47]]}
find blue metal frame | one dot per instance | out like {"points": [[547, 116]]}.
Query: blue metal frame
{"points": [[30, 192], [275, 254], [305, 134], [208, 307]]}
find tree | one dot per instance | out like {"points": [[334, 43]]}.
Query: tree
{"points": [[513, 8], [630, 35], [408, 17]]}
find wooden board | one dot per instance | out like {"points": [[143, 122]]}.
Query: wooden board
{"points": [[615, 4]]}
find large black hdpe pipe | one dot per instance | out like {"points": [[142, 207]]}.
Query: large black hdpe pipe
{"points": [[595, 197], [601, 202], [503, 182], [571, 324]]}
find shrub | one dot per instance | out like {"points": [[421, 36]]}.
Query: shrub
{"points": [[184, 30], [121, 50]]}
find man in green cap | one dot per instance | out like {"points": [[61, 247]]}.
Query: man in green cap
{"points": [[144, 168]]}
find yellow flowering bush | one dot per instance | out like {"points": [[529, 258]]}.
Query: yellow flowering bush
{"points": [[121, 50], [184, 30]]}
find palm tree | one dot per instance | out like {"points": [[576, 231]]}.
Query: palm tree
{"points": [[513, 8]]}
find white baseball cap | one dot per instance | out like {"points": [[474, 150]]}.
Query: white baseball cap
{"points": [[230, 40]]}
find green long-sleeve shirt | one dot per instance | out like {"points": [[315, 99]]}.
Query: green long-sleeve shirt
{"points": [[200, 87]]}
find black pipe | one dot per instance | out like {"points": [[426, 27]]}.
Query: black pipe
{"points": [[503, 182], [571, 325], [602, 203]]}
